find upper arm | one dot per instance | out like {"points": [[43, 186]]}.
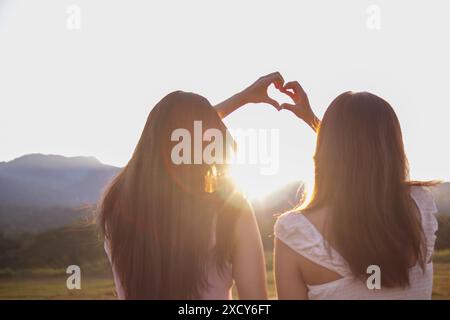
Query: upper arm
{"points": [[249, 271], [289, 280]]}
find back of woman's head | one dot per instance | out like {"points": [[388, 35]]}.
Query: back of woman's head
{"points": [[156, 215], [361, 174]]}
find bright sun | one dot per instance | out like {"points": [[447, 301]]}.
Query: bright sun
{"points": [[255, 185], [271, 151]]}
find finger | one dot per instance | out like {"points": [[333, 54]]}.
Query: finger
{"points": [[276, 78], [288, 92], [273, 75], [288, 106], [293, 85], [273, 103]]}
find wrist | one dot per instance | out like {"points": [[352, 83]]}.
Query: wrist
{"points": [[315, 123], [242, 98], [310, 119]]}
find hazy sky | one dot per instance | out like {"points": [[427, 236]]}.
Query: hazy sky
{"points": [[89, 91]]}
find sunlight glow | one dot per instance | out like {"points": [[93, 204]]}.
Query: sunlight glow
{"points": [[248, 182], [256, 186]]}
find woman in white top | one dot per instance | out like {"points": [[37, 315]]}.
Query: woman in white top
{"points": [[366, 222]]}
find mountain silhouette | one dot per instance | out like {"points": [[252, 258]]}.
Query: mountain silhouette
{"points": [[38, 180], [441, 195], [40, 192]]}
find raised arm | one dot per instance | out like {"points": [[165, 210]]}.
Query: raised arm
{"points": [[256, 93], [301, 108]]}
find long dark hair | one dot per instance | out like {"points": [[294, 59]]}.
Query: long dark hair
{"points": [[156, 216], [361, 174]]}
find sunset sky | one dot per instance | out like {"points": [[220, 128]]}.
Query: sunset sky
{"points": [[89, 91]]}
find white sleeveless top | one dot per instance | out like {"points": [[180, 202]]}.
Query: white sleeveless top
{"points": [[297, 232]]}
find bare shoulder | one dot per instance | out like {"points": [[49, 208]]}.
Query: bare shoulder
{"points": [[241, 209], [238, 202], [317, 217]]}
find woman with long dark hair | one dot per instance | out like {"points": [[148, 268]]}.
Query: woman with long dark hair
{"points": [[179, 230], [365, 215]]}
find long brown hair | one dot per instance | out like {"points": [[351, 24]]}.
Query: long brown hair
{"points": [[157, 217], [361, 174]]}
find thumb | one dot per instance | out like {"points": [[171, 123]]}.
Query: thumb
{"points": [[273, 103], [288, 106]]}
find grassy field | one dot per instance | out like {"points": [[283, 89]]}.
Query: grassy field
{"points": [[101, 287]]}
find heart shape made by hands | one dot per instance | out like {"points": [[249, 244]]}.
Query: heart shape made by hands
{"points": [[278, 95]]}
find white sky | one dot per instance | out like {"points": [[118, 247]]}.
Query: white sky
{"points": [[89, 91]]}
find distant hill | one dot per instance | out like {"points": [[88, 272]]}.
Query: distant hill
{"points": [[32, 220], [76, 243], [38, 180], [268, 209], [42, 192], [441, 195]]}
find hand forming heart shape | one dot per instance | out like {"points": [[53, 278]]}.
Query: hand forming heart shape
{"points": [[279, 95], [258, 93]]}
